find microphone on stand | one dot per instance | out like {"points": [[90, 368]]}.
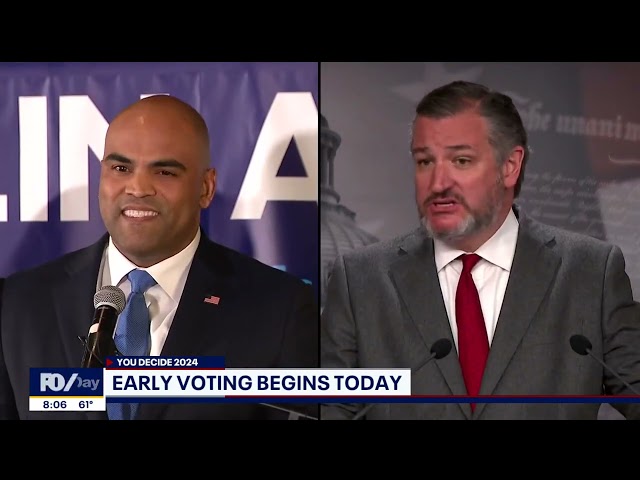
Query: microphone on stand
{"points": [[582, 346], [109, 302], [439, 349]]}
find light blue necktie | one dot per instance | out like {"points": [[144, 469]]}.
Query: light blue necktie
{"points": [[133, 337]]}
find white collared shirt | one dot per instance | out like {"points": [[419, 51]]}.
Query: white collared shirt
{"points": [[163, 298], [490, 274]]}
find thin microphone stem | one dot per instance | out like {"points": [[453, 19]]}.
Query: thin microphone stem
{"points": [[366, 409], [93, 355], [84, 342], [288, 411], [363, 412], [613, 372], [431, 357]]}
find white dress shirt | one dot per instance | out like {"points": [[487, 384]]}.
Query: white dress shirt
{"points": [[163, 298], [490, 274]]}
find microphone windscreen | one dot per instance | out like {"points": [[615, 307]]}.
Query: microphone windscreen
{"points": [[110, 295], [441, 348], [580, 344]]}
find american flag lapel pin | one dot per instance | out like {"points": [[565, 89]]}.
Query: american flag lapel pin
{"points": [[212, 299]]}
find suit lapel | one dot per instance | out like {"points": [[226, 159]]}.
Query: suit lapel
{"points": [[532, 272], [73, 304], [416, 281], [73, 300], [199, 327]]}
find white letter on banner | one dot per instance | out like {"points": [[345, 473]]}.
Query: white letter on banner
{"points": [[292, 115], [34, 172], [4, 209], [81, 126]]}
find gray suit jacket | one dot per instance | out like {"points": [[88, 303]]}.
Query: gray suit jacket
{"points": [[384, 309]]}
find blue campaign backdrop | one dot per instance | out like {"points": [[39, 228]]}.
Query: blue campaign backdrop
{"points": [[263, 121]]}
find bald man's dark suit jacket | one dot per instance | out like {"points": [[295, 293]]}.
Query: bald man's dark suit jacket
{"points": [[266, 318]]}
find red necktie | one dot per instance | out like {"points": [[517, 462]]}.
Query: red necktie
{"points": [[473, 344]]}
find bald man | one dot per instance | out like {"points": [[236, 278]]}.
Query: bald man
{"points": [[155, 179]]}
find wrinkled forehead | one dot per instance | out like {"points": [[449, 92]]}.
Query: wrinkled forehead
{"points": [[466, 128]]}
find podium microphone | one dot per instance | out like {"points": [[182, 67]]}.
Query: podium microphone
{"points": [[582, 346], [108, 302], [439, 349]]}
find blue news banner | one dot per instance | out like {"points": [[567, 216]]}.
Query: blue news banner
{"points": [[205, 379]]}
